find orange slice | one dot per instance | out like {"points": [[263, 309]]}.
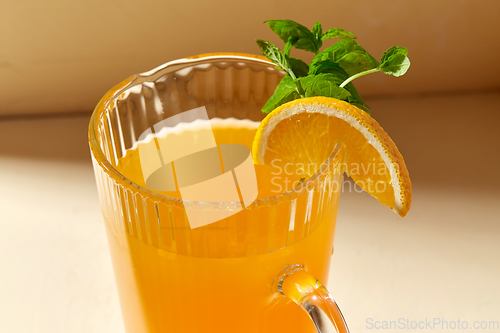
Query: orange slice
{"points": [[305, 131]]}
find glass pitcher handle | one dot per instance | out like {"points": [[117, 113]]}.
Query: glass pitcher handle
{"points": [[306, 291]]}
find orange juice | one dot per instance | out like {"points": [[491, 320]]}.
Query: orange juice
{"points": [[218, 277]]}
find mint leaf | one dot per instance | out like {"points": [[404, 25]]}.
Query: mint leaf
{"points": [[323, 85], [288, 28], [285, 92], [348, 54], [299, 67], [355, 99], [397, 66], [357, 61], [392, 51], [339, 76], [332, 71], [274, 54], [395, 61], [288, 45], [338, 33], [317, 31], [324, 67], [332, 68]]}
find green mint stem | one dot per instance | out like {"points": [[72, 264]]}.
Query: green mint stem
{"points": [[355, 76], [300, 90], [297, 83]]}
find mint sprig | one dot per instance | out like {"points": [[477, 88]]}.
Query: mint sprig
{"points": [[332, 70], [394, 62]]}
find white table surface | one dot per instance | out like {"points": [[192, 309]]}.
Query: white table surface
{"points": [[441, 261]]}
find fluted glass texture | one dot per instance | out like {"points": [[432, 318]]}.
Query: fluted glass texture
{"points": [[166, 270]]}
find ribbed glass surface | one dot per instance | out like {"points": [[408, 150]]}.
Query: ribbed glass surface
{"points": [[228, 87], [218, 277]]}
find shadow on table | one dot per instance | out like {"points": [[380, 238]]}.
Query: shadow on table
{"points": [[46, 138], [448, 141]]}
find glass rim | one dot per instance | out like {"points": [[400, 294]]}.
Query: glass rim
{"points": [[117, 90]]}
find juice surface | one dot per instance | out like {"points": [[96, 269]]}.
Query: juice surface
{"points": [[217, 278], [271, 180]]}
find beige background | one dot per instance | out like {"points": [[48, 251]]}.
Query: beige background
{"points": [[63, 55]]}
